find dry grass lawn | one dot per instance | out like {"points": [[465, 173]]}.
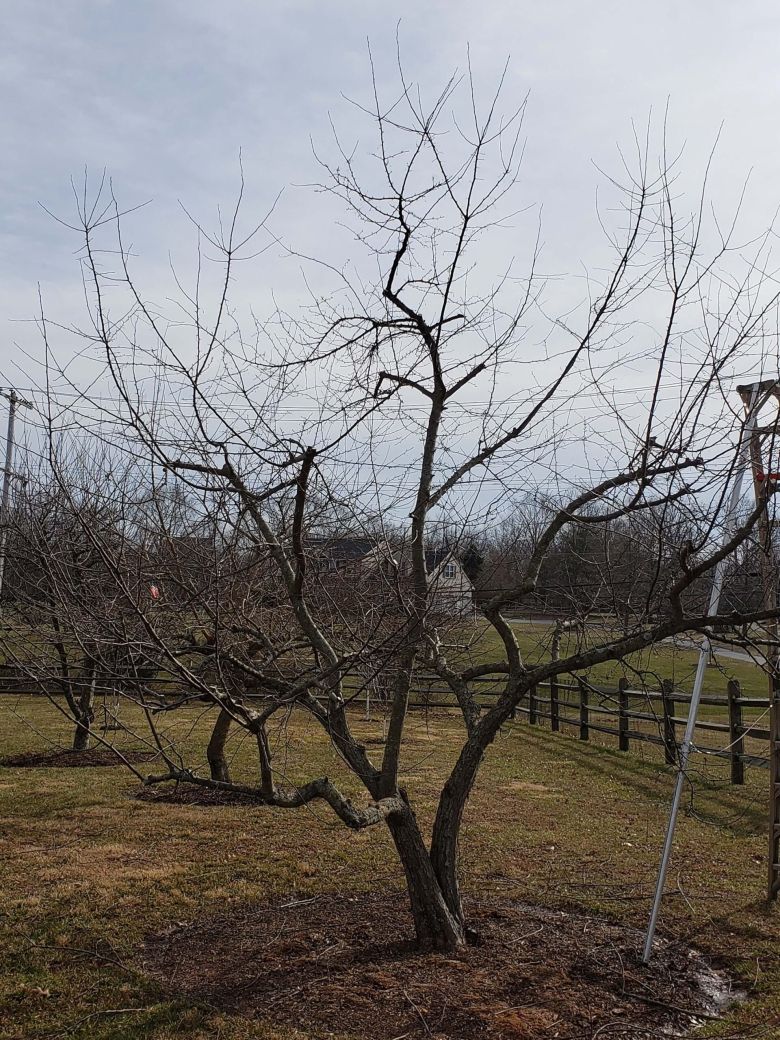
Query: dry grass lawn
{"points": [[88, 871]]}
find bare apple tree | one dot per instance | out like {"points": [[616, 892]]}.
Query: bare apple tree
{"points": [[425, 384], [59, 595]]}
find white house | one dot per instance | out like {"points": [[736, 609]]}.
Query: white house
{"points": [[452, 591], [367, 559]]}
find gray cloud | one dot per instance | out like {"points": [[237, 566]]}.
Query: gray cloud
{"points": [[164, 93]]}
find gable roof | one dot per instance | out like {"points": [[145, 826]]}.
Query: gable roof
{"points": [[434, 558], [344, 548]]}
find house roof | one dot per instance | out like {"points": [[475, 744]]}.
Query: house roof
{"points": [[434, 558], [355, 548], [346, 548]]}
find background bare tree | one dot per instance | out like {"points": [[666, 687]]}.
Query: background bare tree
{"points": [[59, 589]]}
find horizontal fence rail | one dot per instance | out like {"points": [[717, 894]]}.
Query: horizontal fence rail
{"points": [[646, 716], [733, 729]]}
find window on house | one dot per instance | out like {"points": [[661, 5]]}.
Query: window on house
{"points": [[449, 570]]}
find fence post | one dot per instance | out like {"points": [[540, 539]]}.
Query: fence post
{"points": [[584, 734], [670, 737], [532, 706], [736, 731], [555, 717], [623, 739]]}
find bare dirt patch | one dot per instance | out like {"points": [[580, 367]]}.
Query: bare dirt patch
{"points": [[189, 794], [65, 759], [347, 965]]}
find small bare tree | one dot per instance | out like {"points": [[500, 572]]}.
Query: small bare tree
{"points": [[59, 595], [361, 410]]}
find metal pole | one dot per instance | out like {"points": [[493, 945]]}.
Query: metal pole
{"points": [[704, 654], [13, 400]]}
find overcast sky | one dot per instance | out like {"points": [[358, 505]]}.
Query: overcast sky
{"points": [[164, 94]]}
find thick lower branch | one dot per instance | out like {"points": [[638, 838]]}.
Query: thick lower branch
{"points": [[294, 797]]}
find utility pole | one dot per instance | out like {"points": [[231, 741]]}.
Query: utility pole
{"points": [[13, 400]]}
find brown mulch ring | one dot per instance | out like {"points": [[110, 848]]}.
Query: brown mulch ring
{"points": [[347, 966], [63, 758], [189, 794]]}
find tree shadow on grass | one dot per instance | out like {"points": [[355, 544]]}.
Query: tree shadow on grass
{"points": [[653, 780]]}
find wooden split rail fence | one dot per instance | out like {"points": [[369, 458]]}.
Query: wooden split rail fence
{"points": [[735, 730]]}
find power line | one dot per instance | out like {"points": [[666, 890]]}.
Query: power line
{"points": [[157, 406]]}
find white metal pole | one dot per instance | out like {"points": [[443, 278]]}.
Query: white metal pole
{"points": [[13, 400], [704, 654], [9, 458]]}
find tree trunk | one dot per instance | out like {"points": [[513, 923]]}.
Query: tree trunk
{"points": [[455, 794], [85, 708], [446, 828], [435, 926], [83, 732], [266, 771], [555, 647], [215, 751]]}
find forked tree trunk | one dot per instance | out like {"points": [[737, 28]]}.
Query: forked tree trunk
{"points": [[215, 752], [435, 925]]}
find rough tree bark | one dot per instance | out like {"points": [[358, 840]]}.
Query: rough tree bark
{"points": [[437, 925], [215, 752], [84, 703]]}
